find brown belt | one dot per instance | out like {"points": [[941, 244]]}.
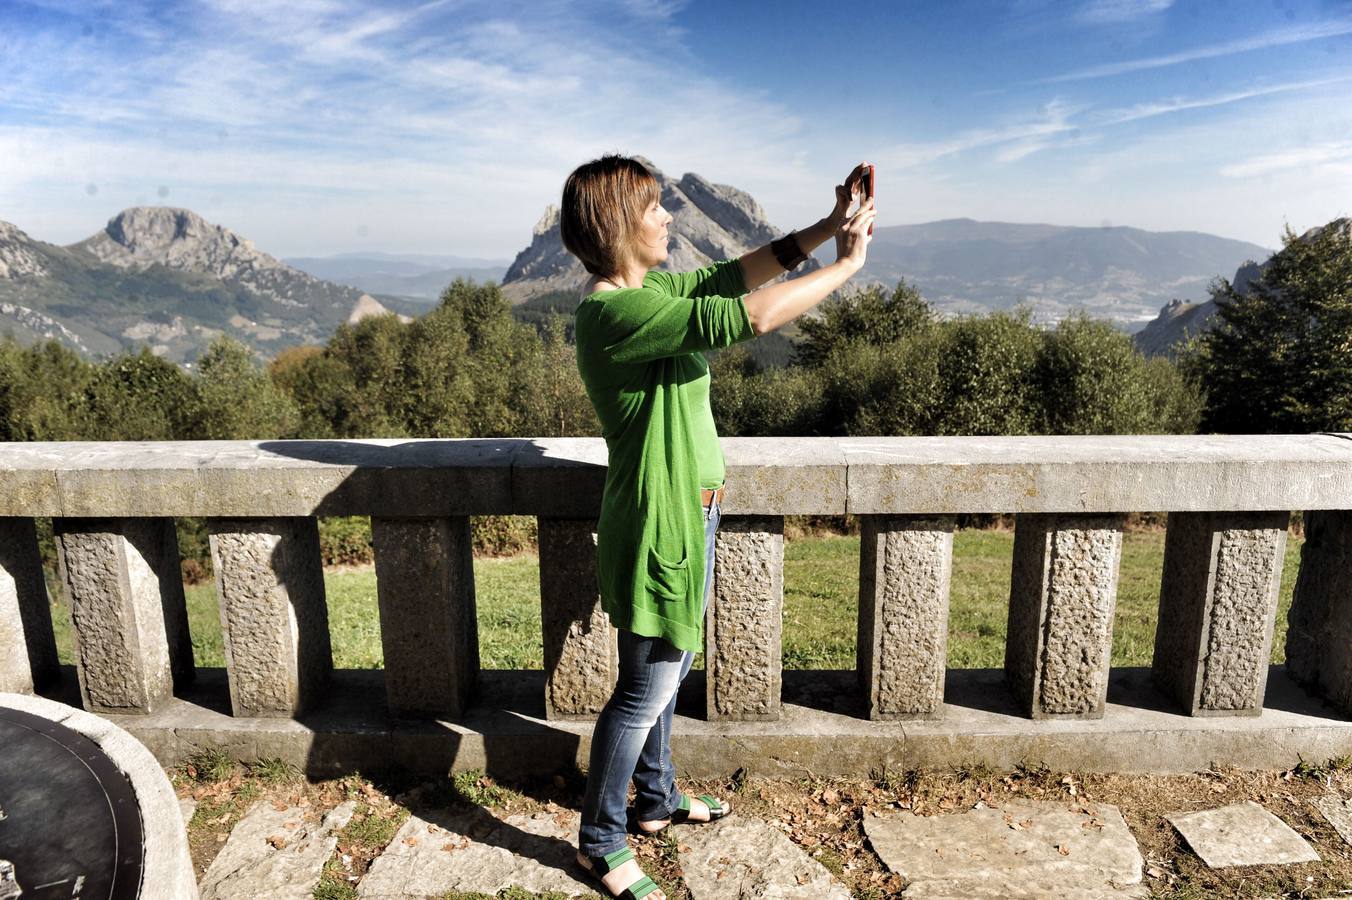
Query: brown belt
{"points": [[705, 495]]}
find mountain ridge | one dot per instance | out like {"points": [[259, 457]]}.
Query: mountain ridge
{"points": [[1178, 321], [166, 277]]}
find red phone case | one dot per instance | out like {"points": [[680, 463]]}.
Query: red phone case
{"points": [[871, 180]]}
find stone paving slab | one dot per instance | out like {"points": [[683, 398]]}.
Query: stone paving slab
{"points": [[740, 859], [473, 850], [1024, 849], [274, 854], [1338, 812], [1241, 834]]}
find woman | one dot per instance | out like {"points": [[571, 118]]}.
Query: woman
{"points": [[640, 335]]}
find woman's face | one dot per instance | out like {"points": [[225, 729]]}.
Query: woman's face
{"points": [[653, 237]]}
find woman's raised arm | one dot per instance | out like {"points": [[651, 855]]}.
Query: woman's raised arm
{"points": [[760, 265], [771, 307]]}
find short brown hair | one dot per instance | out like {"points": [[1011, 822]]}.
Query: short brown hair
{"points": [[603, 204]]}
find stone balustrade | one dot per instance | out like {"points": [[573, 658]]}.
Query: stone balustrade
{"points": [[1228, 500]]}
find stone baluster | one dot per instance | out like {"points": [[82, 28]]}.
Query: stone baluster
{"points": [[127, 609], [428, 624], [1218, 604], [27, 646], [1319, 633], [581, 654], [905, 564], [1062, 594], [743, 653], [274, 621]]}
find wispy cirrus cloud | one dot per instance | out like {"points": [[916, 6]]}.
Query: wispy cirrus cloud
{"points": [[1050, 119], [245, 104], [1112, 12], [1336, 152], [1179, 104], [1059, 125], [1278, 38]]}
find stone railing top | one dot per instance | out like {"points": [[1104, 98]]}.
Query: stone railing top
{"points": [[773, 476]]}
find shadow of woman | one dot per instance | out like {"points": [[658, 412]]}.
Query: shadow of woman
{"points": [[491, 719]]}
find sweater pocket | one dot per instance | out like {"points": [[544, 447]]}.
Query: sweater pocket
{"points": [[668, 580]]}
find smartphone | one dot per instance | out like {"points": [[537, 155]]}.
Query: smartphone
{"points": [[867, 184]]}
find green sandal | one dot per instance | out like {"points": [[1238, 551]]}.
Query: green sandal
{"points": [[602, 865], [716, 810]]}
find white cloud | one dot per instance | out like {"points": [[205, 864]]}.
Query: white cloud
{"points": [[438, 106], [1052, 118], [1165, 107], [1099, 12], [1281, 37], [1291, 158]]}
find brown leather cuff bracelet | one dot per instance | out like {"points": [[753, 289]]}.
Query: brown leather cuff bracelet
{"points": [[787, 251]]}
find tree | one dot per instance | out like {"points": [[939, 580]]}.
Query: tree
{"points": [[236, 400], [1279, 358], [1091, 379], [39, 389], [869, 315], [137, 397], [985, 375]]}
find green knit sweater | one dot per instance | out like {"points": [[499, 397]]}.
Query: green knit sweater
{"points": [[638, 351]]}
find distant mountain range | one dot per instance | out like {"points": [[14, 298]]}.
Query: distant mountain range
{"points": [[169, 279], [415, 276], [1124, 274]]}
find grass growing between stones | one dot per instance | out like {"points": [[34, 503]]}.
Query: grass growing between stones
{"points": [[821, 599]]}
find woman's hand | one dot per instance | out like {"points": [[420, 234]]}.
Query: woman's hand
{"points": [[852, 237], [845, 195]]}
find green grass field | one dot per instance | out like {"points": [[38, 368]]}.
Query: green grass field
{"points": [[821, 595]]}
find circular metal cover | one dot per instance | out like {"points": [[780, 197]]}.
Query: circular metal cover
{"points": [[70, 826]]}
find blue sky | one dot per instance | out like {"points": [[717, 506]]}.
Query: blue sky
{"points": [[324, 126]]}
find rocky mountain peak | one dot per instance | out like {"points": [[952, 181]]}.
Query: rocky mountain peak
{"points": [[710, 222], [19, 256], [177, 238], [549, 220]]}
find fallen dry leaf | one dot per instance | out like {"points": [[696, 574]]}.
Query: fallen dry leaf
{"points": [[1063, 850], [411, 841], [277, 841]]}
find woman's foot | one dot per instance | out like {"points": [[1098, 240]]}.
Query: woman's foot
{"points": [[699, 812], [625, 875]]}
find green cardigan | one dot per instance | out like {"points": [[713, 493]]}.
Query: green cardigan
{"points": [[638, 350]]}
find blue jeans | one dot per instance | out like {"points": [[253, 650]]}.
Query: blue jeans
{"points": [[633, 733]]}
